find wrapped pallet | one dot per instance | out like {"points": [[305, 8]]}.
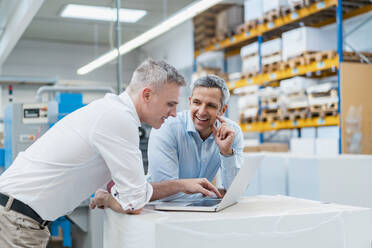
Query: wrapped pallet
{"points": [[271, 51], [307, 39], [323, 99], [248, 103], [294, 98], [271, 107], [250, 59]]}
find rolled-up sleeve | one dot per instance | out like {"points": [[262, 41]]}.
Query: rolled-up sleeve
{"points": [[230, 165], [115, 137]]}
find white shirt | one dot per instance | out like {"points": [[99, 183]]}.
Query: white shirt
{"points": [[78, 155]]}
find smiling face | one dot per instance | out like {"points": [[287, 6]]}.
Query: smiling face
{"points": [[205, 105], [161, 104]]}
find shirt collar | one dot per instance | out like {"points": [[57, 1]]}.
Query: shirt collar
{"points": [[190, 126], [189, 123], [125, 98]]}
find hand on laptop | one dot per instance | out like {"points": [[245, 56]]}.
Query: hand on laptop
{"points": [[199, 185]]}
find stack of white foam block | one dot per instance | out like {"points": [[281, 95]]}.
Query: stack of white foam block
{"points": [[250, 60], [294, 91], [270, 95], [271, 51], [248, 103], [328, 91], [211, 59], [322, 141], [253, 10], [343, 179], [298, 41]]}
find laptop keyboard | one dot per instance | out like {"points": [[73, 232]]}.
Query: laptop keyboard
{"points": [[205, 203]]}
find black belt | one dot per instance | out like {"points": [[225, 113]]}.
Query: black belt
{"points": [[24, 209]]}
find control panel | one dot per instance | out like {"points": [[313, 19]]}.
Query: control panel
{"points": [[35, 113]]}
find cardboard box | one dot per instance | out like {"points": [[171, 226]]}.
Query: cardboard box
{"points": [[297, 41], [267, 147], [227, 21]]}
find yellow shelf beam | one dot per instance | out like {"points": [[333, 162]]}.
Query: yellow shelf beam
{"points": [[266, 27], [280, 125], [348, 15], [260, 79]]}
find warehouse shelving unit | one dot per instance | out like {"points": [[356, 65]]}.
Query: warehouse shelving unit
{"points": [[317, 14]]}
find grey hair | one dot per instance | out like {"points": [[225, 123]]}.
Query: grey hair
{"points": [[213, 81], [156, 74]]}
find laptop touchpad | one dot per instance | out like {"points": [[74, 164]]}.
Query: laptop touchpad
{"points": [[205, 203]]}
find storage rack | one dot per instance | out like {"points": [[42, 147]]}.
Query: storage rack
{"points": [[317, 14]]}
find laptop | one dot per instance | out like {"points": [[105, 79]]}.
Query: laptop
{"points": [[236, 190]]}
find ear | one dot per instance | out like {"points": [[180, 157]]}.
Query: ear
{"points": [[223, 110], [146, 94]]}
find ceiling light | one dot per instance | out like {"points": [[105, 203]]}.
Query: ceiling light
{"points": [[101, 13], [186, 13]]}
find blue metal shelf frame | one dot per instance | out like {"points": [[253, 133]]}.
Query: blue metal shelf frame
{"points": [[340, 48]]}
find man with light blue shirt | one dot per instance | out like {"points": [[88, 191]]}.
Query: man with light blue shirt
{"points": [[197, 142]]}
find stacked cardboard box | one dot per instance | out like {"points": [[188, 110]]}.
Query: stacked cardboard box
{"points": [[204, 29], [267, 147], [227, 22]]}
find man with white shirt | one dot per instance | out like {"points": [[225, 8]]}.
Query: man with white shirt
{"points": [[83, 151]]}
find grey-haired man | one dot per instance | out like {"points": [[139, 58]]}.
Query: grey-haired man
{"points": [[83, 151]]}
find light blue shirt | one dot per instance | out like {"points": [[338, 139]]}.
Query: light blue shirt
{"points": [[176, 151]]}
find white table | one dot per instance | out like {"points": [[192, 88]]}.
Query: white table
{"points": [[259, 222]]}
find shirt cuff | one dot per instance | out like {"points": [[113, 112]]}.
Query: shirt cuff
{"points": [[133, 199], [229, 161]]}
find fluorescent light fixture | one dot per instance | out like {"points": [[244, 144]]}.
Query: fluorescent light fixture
{"points": [[101, 13], [183, 15]]}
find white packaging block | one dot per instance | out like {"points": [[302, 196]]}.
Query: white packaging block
{"points": [[271, 59], [297, 41], [250, 64], [271, 46], [273, 175], [326, 146], [296, 84], [249, 50], [302, 146], [234, 64], [346, 179], [303, 177], [328, 132], [213, 59], [269, 5], [259, 222], [308, 132], [252, 10], [248, 101], [254, 186]]}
